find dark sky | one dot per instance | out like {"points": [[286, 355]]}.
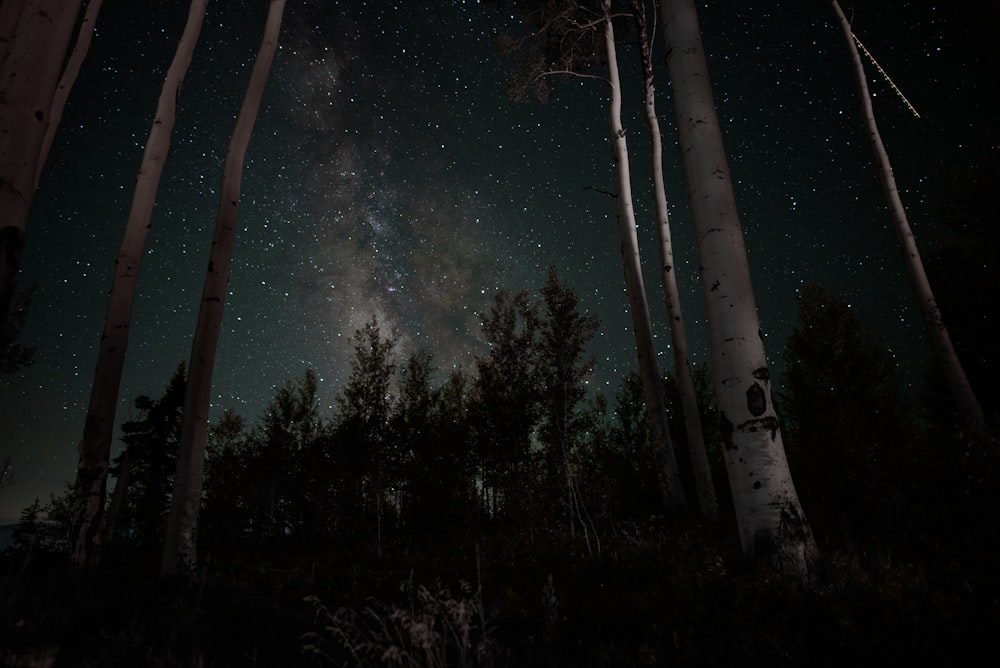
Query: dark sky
{"points": [[388, 174]]}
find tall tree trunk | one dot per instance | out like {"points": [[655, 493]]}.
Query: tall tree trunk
{"points": [[180, 545], [652, 380], [961, 391], [117, 504], [707, 502], [35, 36], [95, 447], [67, 80], [773, 528]]}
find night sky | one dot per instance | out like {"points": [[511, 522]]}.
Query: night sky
{"points": [[388, 174]]}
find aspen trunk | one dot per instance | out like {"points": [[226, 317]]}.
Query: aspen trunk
{"points": [[34, 37], [67, 80], [773, 528], [961, 391], [707, 502], [180, 545], [652, 380], [95, 447]]}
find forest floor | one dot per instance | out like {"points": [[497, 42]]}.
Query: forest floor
{"points": [[653, 597]]}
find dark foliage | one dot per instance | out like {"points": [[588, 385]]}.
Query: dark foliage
{"points": [[13, 355], [432, 519], [145, 469]]}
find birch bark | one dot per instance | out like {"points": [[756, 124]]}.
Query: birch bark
{"points": [[84, 37], [707, 502], [652, 380], [180, 546], [961, 390], [95, 446], [773, 529], [34, 37]]}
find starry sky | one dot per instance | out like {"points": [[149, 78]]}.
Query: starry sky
{"points": [[390, 175]]}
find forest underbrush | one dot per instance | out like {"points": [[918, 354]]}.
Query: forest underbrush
{"points": [[660, 593]]}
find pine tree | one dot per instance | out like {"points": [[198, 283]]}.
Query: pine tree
{"points": [[565, 368], [365, 406]]}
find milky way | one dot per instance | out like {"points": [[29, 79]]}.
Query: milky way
{"points": [[389, 175]]}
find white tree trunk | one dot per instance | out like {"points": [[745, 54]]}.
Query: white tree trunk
{"points": [[35, 36], [652, 380], [707, 502], [67, 80], [961, 391], [773, 528], [180, 545], [95, 447]]}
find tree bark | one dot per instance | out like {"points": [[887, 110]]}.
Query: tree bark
{"points": [[652, 380], [67, 80], [95, 447], [707, 502], [773, 528], [180, 545], [961, 390], [34, 37]]}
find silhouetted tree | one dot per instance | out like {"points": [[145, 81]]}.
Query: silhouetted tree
{"points": [[566, 38], [415, 460], [228, 491], [278, 446], [145, 469], [564, 368], [13, 355], [365, 406], [505, 399], [853, 441]]}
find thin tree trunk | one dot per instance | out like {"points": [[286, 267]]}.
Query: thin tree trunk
{"points": [[180, 545], [707, 502], [114, 514], [36, 35], [67, 80], [95, 447], [652, 380], [773, 528], [961, 391]]}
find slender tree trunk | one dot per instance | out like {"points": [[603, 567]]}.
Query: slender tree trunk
{"points": [[114, 514], [95, 447], [36, 35], [67, 80], [773, 528], [180, 546], [652, 380], [707, 503], [961, 391]]}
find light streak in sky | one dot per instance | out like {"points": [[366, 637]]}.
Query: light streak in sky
{"points": [[887, 77]]}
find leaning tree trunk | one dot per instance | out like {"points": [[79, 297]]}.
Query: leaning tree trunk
{"points": [[773, 528], [95, 447], [67, 80], [652, 381], [961, 391], [34, 38], [707, 502], [180, 545]]}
